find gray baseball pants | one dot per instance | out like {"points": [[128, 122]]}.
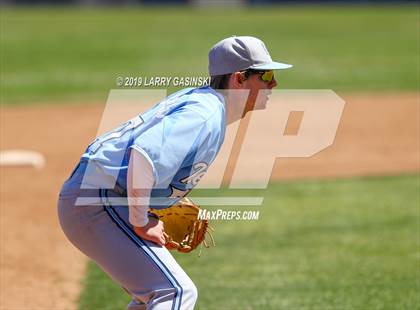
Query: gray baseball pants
{"points": [[148, 272]]}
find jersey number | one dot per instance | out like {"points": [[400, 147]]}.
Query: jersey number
{"points": [[115, 134]]}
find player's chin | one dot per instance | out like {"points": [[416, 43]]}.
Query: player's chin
{"points": [[262, 99], [261, 104], [259, 107]]}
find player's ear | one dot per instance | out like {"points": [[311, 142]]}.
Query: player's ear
{"points": [[237, 80]]}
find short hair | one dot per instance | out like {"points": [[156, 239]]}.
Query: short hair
{"points": [[220, 81]]}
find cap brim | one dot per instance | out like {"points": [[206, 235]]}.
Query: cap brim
{"points": [[271, 66]]}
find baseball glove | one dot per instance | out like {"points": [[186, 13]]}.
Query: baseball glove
{"points": [[184, 231]]}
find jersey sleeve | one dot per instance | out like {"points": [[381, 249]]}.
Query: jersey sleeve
{"points": [[207, 144], [169, 143]]}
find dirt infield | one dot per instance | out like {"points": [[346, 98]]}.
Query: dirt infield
{"points": [[379, 134]]}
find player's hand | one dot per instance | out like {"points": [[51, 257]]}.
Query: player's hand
{"points": [[153, 231]]}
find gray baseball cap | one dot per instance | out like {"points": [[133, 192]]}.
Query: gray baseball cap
{"points": [[240, 53]]}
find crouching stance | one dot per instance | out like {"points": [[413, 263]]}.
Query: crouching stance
{"points": [[151, 162]]}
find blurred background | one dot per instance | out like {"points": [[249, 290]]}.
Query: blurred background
{"points": [[195, 2], [338, 230], [76, 52]]}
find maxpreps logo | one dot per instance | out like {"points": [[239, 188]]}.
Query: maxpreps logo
{"points": [[251, 145], [231, 215]]}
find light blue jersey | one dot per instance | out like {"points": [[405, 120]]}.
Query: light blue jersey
{"points": [[179, 136]]}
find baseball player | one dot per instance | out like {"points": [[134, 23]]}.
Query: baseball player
{"points": [[152, 161]]}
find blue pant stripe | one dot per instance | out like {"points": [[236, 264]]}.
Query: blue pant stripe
{"points": [[132, 235]]}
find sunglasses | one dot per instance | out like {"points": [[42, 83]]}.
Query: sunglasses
{"points": [[266, 76]]}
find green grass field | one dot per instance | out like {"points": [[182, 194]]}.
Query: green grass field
{"points": [[56, 55], [346, 244]]}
